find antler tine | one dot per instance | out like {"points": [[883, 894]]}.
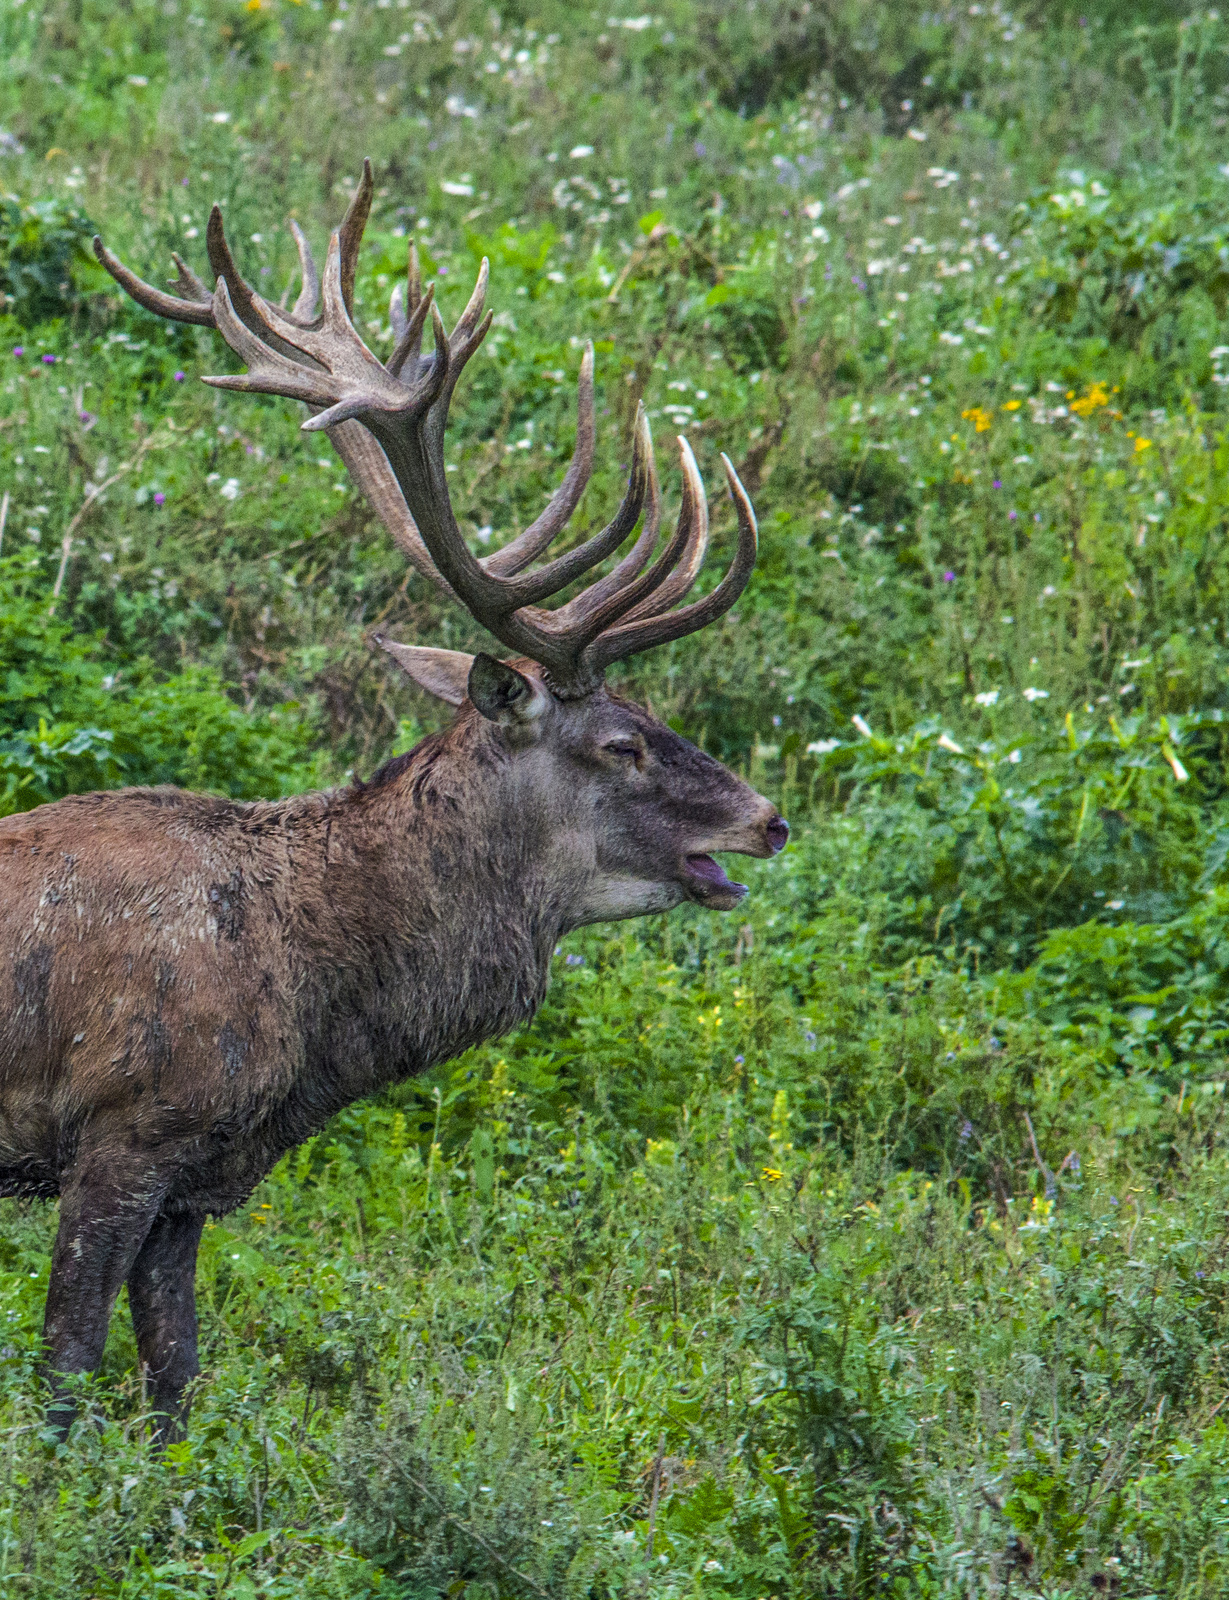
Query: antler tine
{"points": [[686, 570], [633, 562], [304, 308], [643, 634], [409, 340], [515, 556], [592, 619], [405, 298], [188, 284], [155, 300], [268, 322], [351, 232]]}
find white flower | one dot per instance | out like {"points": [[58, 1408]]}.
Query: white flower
{"points": [[951, 338], [861, 725], [579, 151], [230, 489], [137, 81], [945, 742], [635, 24], [713, 1566], [456, 107], [917, 134], [1014, 758], [989, 697], [450, 187], [1036, 694], [220, 116], [821, 747]]}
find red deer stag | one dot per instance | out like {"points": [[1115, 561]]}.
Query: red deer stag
{"points": [[190, 986]]}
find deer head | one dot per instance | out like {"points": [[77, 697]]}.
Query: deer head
{"points": [[667, 807]]}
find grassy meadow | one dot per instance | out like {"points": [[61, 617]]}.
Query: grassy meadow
{"points": [[870, 1241]]}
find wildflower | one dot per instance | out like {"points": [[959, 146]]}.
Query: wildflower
{"points": [[50, 360], [1012, 515], [998, 483], [578, 152], [949, 576], [1036, 694], [19, 350], [946, 742], [574, 961], [989, 697], [179, 377], [1094, 396], [772, 1174], [862, 726], [160, 498], [1140, 444], [738, 1060], [87, 420], [980, 419], [230, 489], [1011, 405], [966, 1131]]}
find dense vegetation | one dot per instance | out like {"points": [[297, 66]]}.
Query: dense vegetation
{"points": [[874, 1242]]}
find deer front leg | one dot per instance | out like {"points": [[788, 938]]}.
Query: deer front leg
{"points": [[103, 1224], [162, 1299]]}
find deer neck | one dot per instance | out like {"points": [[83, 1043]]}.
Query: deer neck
{"points": [[434, 877]]}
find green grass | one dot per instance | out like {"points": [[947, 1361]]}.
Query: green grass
{"points": [[873, 1244]]}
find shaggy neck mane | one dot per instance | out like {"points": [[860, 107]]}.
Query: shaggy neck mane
{"points": [[421, 917]]}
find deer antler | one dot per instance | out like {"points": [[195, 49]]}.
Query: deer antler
{"points": [[387, 421]]}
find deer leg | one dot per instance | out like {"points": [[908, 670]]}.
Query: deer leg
{"points": [[162, 1299], [101, 1231]]}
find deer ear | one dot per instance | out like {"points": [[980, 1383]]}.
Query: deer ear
{"points": [[444, 673], [503, 694]]}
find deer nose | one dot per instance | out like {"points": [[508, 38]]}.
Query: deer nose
{"points": [[777, 832]]}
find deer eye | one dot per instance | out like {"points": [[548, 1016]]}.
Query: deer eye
{"points": [[624, 747]]}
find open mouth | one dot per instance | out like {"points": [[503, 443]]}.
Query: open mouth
{"points": [[706, 881]]}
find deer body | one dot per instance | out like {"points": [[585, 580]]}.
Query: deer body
{"points": [[190, 986]]}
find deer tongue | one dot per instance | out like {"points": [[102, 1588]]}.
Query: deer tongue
{"points": [[708, 876]]}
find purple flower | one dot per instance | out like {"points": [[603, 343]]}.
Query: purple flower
{"points": [[88, 419], [1036, 516], [185, 183], [858, 283], [738, 1061], [574, 961], [1201, 1274], [966, 1131], [1012, 515], [160, 498], [179, 377], [19, 349], [49, 361], [700, 148], [998, 483], [949, 576]]}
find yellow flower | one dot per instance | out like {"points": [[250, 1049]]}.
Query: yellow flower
{"points": [[253, 5], [980, 419], [1011, 405], [772, 1174], [1095, 396], [1142, 444]]}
